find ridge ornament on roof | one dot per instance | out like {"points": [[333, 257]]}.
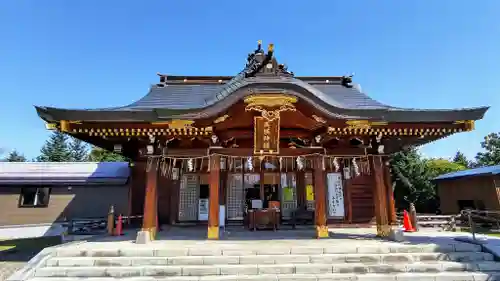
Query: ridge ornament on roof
{"points": [[270, 105]]}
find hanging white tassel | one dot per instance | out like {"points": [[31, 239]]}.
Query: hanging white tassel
{"points": [[281, 163], [250, 163], [300, 163], [355, 166], [323, 166], [336, 164], [190, 165]]}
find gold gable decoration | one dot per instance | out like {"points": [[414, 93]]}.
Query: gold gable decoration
{"points": [[270, 105]]}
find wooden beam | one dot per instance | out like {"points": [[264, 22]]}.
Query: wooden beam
{"points": [[319, 198], [391, 208], [380, 196], [213, 205], [150, 217]]}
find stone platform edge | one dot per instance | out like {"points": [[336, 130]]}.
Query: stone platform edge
{"points": [[36, 262]]}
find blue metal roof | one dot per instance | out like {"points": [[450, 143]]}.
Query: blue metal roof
{"points": [[490, 170], [55, 173]]}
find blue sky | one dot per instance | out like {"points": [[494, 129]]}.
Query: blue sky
{"points": [[84, 54]]}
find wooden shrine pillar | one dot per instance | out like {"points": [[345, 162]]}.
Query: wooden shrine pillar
{"points": [[213, 198], [320, 198], [380, 196], [150, 216], [391, 208]]}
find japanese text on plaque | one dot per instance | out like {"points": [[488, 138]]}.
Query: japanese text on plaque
{"points": [[266, 136]]}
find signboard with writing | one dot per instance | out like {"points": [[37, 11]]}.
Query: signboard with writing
{"points": [[266, 135]]}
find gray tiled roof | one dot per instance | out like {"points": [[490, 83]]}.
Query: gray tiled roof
{"points": [[194, 101], [190, 96]]}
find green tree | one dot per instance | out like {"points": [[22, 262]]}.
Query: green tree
{"points": [[55, 149], [15, 156], [79, 150], [98, 154], [412, 181], [491, 155], [461, 159], [439, 166]]}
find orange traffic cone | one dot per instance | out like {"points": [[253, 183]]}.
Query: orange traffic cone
{"points": [[407, 222], [119, 230]]}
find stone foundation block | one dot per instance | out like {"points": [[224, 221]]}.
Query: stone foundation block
{"points": [[369, 258], [291, 259], [189, 260], [118, 261], [328, 258], [377, 277], [162, 271], [171, 252], [297, 277], [307, 251], [240, 269], [145, 261], [266, 259], [221, 260], [143, 237], [131, 252], [238, 252], [123, 272], [313, 268], [86, 272], [276, 269], [274, 251], [204, 251], [196, 270], [336, 277]]}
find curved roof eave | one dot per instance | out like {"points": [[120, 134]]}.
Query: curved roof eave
{"points": [[325, 103]]}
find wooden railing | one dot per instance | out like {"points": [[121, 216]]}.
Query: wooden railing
{"points": [[97, 225], [445, 222]]}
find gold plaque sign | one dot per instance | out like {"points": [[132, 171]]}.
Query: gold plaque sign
{"points": [[266, 135]]}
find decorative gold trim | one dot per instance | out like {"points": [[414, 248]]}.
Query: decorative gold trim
{"points": [[319, 119], [221, 119], [383, 230], [176, 124], [213, 232], [193, 131], [392, 131], [270, 105], [50, 126], [468, 124], [64, 125], [358, 124], [322, 231]]}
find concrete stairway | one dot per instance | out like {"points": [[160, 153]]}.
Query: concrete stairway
{"points": [[270, 260]]}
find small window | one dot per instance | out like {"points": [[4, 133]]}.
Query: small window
{"points": [[34, 197]]}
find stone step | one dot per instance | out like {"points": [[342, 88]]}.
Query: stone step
{"points": [[257, 249], [269, 259], [254, 269], [443, 276]]}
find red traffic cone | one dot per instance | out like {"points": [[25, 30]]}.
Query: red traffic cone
{"points": [[407, 222], [119, 230]]}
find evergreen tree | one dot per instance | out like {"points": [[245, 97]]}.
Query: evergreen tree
{"points": [[79, 150], [55, 149], [98, 154], [491, 155], [15, 156], [462, 160]]}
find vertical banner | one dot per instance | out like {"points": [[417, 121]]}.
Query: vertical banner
{"points": [[335, 195], [309, 192], [266, 135]]}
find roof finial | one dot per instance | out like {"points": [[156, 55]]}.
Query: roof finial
{"points": [[270, 48]]}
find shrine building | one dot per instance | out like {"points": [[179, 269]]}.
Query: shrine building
{"points": [[264, 148]]}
